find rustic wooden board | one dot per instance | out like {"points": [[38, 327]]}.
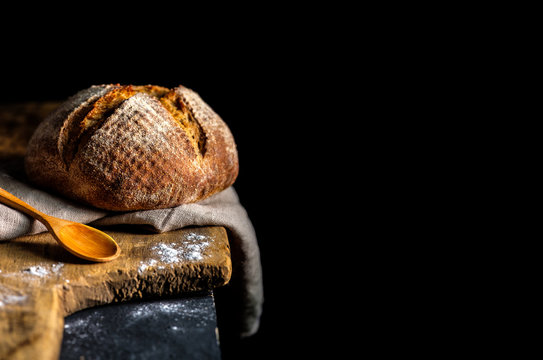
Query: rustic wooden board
{"points": [[41, 283]]}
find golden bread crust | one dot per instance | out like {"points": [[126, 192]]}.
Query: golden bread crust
{"points": [[132, 148]]}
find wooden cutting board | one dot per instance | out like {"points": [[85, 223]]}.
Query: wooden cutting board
{"points": [[41, 283]]}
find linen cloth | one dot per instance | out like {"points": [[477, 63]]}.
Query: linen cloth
{"points": [[245, 291]]}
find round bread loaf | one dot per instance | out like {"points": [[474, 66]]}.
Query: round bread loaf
{"points": [[132, 148]]}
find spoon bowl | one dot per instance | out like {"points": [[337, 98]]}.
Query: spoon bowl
{"points": [[86, 242], [81, 240]]}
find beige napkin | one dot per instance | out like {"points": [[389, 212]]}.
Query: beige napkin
{"points": [[245, 291]]}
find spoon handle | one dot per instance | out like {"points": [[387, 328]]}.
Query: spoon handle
{"points": [[16, 203]]}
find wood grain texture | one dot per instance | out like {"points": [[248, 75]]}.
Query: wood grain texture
{"points": [[40, 283]]}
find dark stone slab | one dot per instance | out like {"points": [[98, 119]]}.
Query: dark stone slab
{"points": [[163, 329]]}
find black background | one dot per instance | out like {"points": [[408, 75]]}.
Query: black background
{"points": [[266, 86]]}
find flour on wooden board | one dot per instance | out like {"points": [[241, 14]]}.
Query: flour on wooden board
{"points": [[9, 296], [37, 271], [191, 249], [43, 270]]}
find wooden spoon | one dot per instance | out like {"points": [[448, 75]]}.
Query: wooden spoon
{"points": [[81, 240]]}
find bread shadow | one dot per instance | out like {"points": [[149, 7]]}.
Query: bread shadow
{"points": [[139, 229]]}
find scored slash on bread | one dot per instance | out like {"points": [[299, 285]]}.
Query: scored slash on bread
{"points": [[133, 147]]}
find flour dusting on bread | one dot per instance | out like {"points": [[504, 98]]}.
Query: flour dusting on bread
{"points": [[133, 147]]}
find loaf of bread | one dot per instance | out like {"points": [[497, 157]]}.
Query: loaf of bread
{"points": [[132, 148]]}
